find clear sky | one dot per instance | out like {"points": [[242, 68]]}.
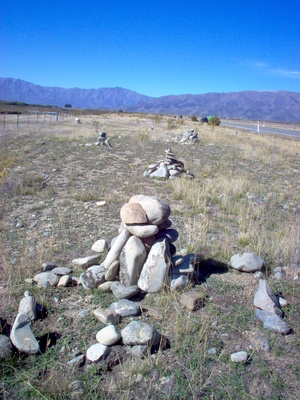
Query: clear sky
{"points": [[154, 47]]}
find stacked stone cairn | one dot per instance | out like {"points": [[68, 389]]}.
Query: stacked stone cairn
{"points": [[169, 168]]}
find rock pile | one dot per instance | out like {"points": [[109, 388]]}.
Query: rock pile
{"points": [[189, 137], [169, 168]]}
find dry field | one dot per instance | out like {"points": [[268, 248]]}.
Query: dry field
{"points": [[245, 197]]}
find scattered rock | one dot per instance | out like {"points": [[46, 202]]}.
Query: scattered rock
{"points": [[45, 279], [140, 333], [77, 361], [61, 270], [85, 262], [108, 335], [240, 356], [247, 262], [139, 351], [107, 316], [125, 308], [192, 300], [273, 322], [97, 352], [93, 277]]}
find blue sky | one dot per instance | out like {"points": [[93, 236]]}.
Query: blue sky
{"points": [[153, 47]]}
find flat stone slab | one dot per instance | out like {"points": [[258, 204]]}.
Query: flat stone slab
{"points": [[85, 262], [123, 292], [156, 267], [273, 322], [125, 308], [22, 337], [106, 315], [61, 270], [142, 231]]}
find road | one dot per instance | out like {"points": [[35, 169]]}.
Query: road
{"points": [[253, 128]]}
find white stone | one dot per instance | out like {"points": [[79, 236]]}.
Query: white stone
{"points": [[108, 335], [99, 246], [240, 356], [97, 352]]}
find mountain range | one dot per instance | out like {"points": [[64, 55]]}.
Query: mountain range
{"points": [[281, 106]]}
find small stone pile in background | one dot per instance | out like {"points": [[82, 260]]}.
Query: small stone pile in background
{"points": [[169, 168], [189, 137]]}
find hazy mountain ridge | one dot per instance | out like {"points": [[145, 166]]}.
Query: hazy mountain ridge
{"points": [[263, 105]]}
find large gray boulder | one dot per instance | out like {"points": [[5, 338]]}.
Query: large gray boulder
{"points": [[132, 259], [156, 267]]}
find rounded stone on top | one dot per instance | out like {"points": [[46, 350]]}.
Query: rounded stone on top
{"points": [[157, 210], [133, 213]]}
